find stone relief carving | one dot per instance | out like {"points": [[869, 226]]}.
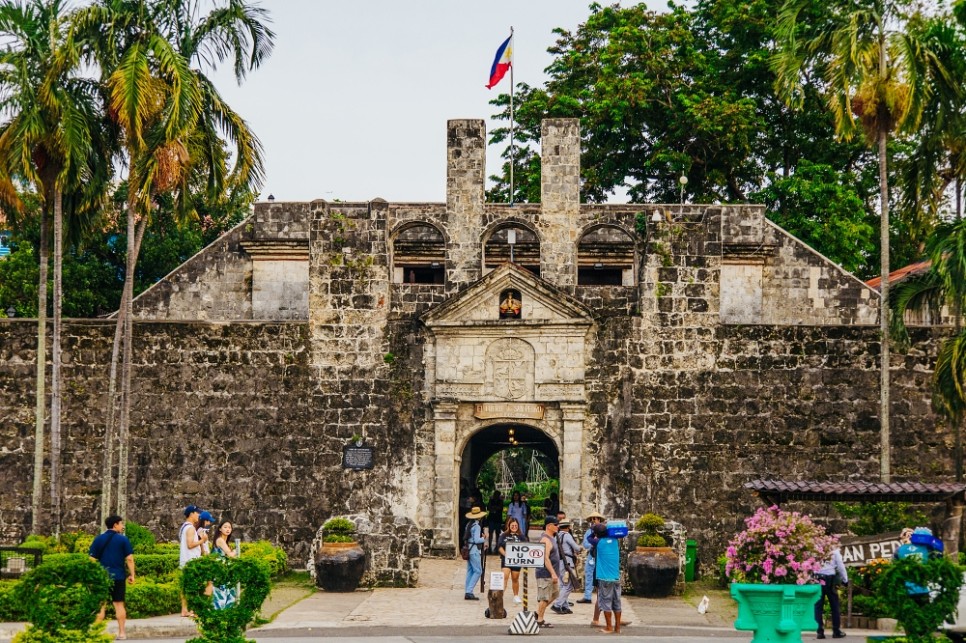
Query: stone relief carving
{"points": [[509, 369]]}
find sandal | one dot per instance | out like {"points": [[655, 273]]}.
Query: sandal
{"points": [[189, 615], [544, 624]]}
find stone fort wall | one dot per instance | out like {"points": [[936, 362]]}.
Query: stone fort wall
{"points": [[738, 353]]}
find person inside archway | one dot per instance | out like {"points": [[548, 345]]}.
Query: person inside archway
{"points": [[520, 510], [494, 520]]}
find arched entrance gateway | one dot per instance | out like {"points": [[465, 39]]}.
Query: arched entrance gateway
{"points": [[508, 352]]}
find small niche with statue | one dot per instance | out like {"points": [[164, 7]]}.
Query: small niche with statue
{"points": [[511, 304]]}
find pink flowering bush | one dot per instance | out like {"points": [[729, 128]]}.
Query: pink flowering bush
{"points": [[778, 547]]}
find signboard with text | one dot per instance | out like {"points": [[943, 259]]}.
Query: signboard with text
{"points": [[525, 554], [859, 551]]}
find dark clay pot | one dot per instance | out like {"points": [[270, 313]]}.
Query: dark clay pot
{"points": [[653, 571], [339, 566]]}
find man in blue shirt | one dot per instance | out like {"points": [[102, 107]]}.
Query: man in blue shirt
{"points": [[113, 550], [607, 555], [830, 575]]}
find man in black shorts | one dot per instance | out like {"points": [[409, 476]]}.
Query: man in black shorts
{"points": [[113, 550]]}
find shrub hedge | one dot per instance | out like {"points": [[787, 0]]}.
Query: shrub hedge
{"points": [[11, 610], [272, 556]]}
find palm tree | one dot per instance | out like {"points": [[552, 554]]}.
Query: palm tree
{"points": [[50, 142], [943, 285], [167, 112], [878, 72]]}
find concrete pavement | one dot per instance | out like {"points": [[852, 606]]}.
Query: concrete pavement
{"points": [[436, 608]]}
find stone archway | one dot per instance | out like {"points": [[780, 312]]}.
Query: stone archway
{"points": [[493, 439]]}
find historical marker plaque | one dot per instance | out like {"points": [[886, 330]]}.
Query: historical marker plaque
{"points": [[357, 457]]}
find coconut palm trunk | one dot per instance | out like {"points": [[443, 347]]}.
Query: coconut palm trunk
{"points": [[55, 374], [41, 407]]}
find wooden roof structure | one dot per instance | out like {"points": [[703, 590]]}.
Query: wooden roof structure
{"points": [[778, 491]]}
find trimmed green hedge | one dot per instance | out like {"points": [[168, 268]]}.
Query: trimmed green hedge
{"points": [[161, 568], [147, 598], [11, 610], [272, 556]]}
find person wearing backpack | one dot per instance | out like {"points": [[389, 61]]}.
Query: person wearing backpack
{"points": [[473, 537], [567, 571], [114, 552]]}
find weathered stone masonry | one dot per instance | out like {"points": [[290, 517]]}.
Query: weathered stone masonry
{"points": [[736, 352]]}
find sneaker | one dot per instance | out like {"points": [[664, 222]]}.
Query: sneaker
{"points": [[838, 635], [471, 597], [556, 610], [584, 600], [566, 610], [820, 635], [517, 599]]}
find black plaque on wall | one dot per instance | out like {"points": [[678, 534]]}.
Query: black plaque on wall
{"points": [[357, 457]]}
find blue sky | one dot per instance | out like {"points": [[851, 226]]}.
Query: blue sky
{"points": [[354, 101]]}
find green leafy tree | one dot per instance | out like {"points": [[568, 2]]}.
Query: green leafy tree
{"points": [[51, 141], [873, 518], [819, 206], [879, 70]]}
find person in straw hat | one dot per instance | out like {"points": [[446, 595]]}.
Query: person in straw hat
{"points": [[474, 539], [589, 564]]}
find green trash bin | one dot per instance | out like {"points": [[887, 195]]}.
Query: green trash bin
{"points": [[690, 560]]}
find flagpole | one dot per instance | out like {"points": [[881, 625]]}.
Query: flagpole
{"points": [[512, 148]]}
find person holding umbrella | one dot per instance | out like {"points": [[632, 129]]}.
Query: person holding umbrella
{"points": [[473, 537]]}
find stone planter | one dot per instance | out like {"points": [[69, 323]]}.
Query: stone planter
{"points": [[339, 566], [653, 571], [776, 613]]}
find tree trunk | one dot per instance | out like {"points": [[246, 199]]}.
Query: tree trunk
{"points": [[55, 388], [135, 235], [35, 525], [107, 479], [885, 466]]}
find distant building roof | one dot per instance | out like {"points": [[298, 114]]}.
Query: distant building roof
{"points": [[896, 276], [779, 491]]}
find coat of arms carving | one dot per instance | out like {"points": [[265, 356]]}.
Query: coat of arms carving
{"points": [[509, 369]]}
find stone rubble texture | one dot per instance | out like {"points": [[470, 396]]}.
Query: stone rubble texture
{"points": [[738, 353]]}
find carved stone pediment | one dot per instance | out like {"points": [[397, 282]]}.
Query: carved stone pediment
{"points": [[508, 337], [490, 299]]}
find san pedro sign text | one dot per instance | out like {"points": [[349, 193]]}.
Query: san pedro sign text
{"points": [[859, 551], [525, 554]]}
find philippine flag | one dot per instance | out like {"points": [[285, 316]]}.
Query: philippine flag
{"points": [[501, 62]]}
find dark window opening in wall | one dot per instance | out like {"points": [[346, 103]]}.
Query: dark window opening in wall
{"points": [[603, 276], [524, 251], [419, 256], [605, 257], [432, 274]]}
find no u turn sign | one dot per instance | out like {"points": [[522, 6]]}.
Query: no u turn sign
{"points": [[525, 554]]}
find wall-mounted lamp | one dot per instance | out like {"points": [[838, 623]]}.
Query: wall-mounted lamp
{"points": [[656, 217], [683, 181], [271, 197], [11, 312]]}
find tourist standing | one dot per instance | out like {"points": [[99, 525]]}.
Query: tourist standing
{"points": [[474, 539], [494, 520], [830, 575], [190, 546], [224, 596], [205, 521], [519, 510], [511, 534], [547, 575], [588, 544], [567, 568], [114, 552], [607, 557]]}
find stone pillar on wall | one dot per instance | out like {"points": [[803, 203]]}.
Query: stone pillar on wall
{"points": [[465, 176], [559, 200], [575, 485], [446, 479]]}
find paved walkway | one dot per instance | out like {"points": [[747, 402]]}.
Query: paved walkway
{"points": [[437, 604]]}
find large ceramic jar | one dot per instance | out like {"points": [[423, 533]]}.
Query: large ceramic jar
{"points": [[339, 566], [776, 613], [653, 571]]}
